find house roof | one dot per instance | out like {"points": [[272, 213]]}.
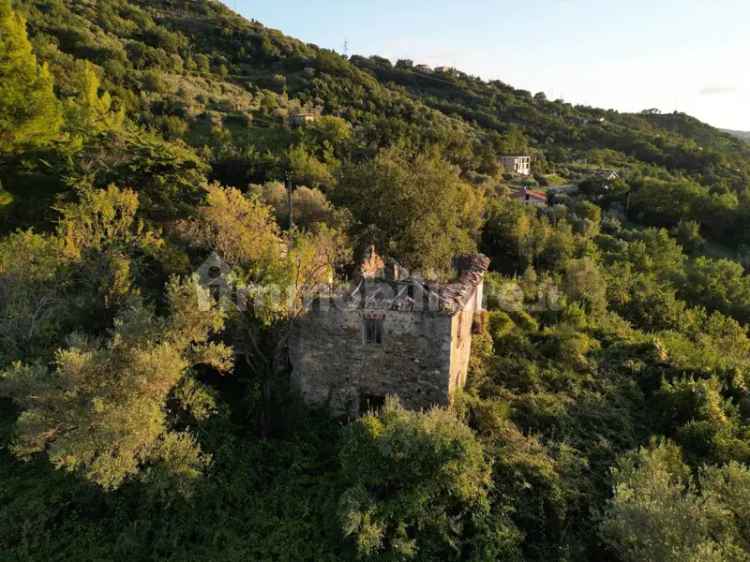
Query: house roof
{"points": [[538, 195], [605, 173], [472, 269]]}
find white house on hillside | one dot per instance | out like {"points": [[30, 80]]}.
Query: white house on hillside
{"points": [[520, 165]]}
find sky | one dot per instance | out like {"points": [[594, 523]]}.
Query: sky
{"points": [[686, 55]]}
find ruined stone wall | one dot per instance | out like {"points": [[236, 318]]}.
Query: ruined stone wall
{"points": [[334, 367], [461, 330]]}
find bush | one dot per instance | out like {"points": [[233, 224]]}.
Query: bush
{"points": [[153, 81], [659, 512], [688, 234], [173, 127], [417, 486], [310, 205], [5, 198]]}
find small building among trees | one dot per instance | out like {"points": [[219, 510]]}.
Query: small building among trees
{"points": [[520, 165], [530, 197], [302, 118], [608, 175], [389, 333]]}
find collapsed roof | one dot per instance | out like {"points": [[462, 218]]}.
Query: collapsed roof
{"points": [[391, 287]]}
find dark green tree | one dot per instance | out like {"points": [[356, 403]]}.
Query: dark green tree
{"points": [[417, 488], [101, 412], [414, 208]]}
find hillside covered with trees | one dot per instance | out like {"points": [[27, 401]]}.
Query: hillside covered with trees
{"points": [[607, 409]]}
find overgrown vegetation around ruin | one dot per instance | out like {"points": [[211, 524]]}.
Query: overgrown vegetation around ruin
{"points": [[607, 413]]}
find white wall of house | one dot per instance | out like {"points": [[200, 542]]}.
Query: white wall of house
{"points": [[520, 165]]}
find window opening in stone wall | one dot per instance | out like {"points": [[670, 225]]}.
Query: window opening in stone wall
{"points": [[370, 403], [460, 330], [373, 330]]}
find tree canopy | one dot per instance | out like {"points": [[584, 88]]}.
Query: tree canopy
{"points": [[30, 114], [417, 209], [606, 414]]}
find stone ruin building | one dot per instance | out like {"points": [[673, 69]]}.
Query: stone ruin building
{"points": [[388, 333]]}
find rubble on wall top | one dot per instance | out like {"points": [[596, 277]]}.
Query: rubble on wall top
{"points": [[471, 272], [379, 293]]}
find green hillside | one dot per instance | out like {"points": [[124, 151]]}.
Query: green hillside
{"points": [[196, 72], [607, 410]]}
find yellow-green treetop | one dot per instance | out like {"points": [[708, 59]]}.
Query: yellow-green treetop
{"points": [[30, 114]]}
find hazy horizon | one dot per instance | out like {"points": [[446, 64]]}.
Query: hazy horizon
{"points": [[685, 56]]}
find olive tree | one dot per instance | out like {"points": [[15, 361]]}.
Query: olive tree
{"points": [[101, 411]]}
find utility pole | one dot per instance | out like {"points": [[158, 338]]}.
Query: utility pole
{"points": [[289, 189]]}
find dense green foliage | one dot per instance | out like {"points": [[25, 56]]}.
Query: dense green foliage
{"points": [[30, 112], [426, 213], [607, 411], [659, 511], [417, 487]]}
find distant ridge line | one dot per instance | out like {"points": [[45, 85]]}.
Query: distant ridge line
{"points": [[743, 135]]}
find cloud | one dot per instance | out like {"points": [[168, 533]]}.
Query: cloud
{"points": [[717, 90]]}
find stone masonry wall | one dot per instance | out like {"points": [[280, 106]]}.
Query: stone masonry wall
{"points": [[461, 340], [333, 366]]}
